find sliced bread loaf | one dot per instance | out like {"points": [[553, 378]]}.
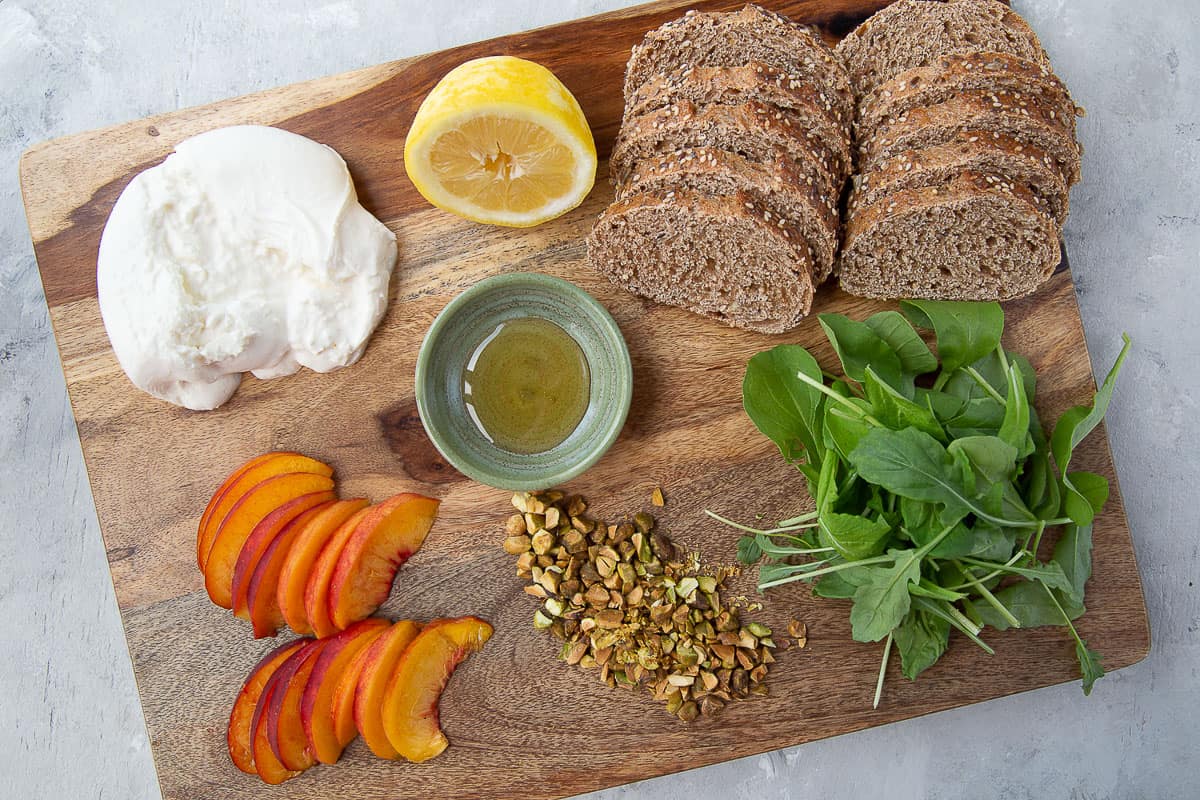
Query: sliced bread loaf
{"points": [[734, 39], [949, 75], [938, 165], [974, 114], [784, 196], [805, 102], [967, 240], [755, 131], [716, 256], [913, 33]]}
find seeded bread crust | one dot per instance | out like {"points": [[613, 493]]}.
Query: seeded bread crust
{"points": [[988, 113], [734, 39], [715, 256], [807, 103], [754, 131], [775, 187], [912, 33], [961, 72], [968, 240], [938, 165]]}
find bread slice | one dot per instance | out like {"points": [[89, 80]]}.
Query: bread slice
{"points": [[775, 187], [913, 33], [737, 38], [961, 72], [940, 164], [967, 240], [974, 114], [716, 256], [754, 131], [806, 104]]}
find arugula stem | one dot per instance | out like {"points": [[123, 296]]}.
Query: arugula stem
{"points": [[820, 387], [866, 562], [783, 523], [1037, 540], [1066, 617], [748, 529], [927, 588], [1000, 570], [1001, 609], [942, 379], [887, 652], [1003, 356], [987, 387], [957, 619]]}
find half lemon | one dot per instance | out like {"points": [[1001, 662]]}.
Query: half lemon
{"points": [[501, 141]]}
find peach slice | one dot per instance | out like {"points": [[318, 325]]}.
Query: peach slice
{"points": [[343, 699], [262, 596], [410, 703], [382, 541], [285, 733], [298, 563], [243, 479], [247, 512], [316, 707], [218, 496], [266, 763], [316, 592], [261, 539], [380, 661], [238, 734]]}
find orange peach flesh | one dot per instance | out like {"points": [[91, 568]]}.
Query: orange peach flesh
{"points": [[262, 596], [382, 541], [298, 563], [266, 763], [316, 707], [238, 734], [218, 496], [272, 464], [381, 660], [284, 731], [260, 540], [240, 521], [410, 703], [343, 699], [316, 592]]}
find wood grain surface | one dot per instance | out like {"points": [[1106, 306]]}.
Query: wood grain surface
{"points": [[521, 723]]}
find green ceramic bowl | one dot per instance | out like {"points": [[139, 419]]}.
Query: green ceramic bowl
{"points": [[458, 330]]}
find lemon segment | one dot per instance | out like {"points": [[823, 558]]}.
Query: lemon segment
{"points": [[501, 141]]}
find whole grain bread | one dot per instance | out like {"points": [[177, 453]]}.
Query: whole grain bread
{"points": [[938, 165], [716, 256], [963, 72], [755, 131], [806, 104], [775, 187], [974, 114], [913, 33], [737, 38], [967, 240]]}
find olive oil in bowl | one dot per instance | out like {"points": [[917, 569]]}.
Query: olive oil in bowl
{"points": [[527, 385]]}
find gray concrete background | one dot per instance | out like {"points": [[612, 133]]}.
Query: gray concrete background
{"points": [[70, 725]]}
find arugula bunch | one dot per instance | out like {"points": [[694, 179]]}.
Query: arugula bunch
{"points": [[932, 495]]}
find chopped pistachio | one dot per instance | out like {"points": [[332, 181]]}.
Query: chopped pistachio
{"points": [[656, 497]]}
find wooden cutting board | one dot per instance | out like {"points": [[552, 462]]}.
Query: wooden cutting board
{"points": [[522, 724]]}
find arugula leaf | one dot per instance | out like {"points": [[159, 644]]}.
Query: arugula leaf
{"points": [[912, 464], [895, 410], [1025, 600], [1015, 428], [883, 601], [965, 331], [857, 347], [1077, 422], [1073, 554], [921, 639], [915, 356], [839, 585], [783, 408], [748, 550], [1040, 486], [841, 431], [979, 416], [854, 537], [1084, 496], [990, 458], [1090, 667]]}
